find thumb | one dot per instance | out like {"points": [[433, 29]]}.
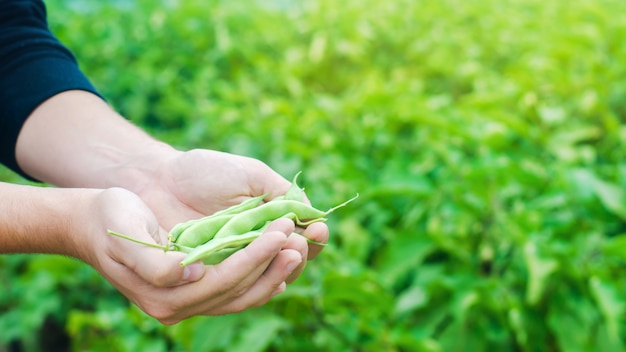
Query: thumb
{"points": [[162, 269]]}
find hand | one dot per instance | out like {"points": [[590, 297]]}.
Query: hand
{"points": [[200, 182], [154, 280]]}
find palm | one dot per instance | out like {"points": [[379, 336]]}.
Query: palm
{"points": [[200, 182], [197, 183]]}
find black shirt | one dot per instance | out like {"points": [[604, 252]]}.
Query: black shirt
{"points": [[34, 66]]}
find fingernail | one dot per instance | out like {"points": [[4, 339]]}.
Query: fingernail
{"points": [[186, 273], [192, 272], [281, 288], [292, 266]]}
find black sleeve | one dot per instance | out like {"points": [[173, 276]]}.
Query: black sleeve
{"points": [[34, 66]]}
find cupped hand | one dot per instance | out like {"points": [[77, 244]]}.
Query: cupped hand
{"points": [[154, 280], [200, 182]]}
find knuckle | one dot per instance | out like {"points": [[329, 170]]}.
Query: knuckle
{"points": [[239, 291], [161, 277], [227, 285], [164, 314], [167, 319], [239, 307], [260, 302]]}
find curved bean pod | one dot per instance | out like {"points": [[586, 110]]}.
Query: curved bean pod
{"points": [[243, 206], [203, 231], [217, 244], [248, 220], [214, 238], [247, 204], [221, 255], [294, 192], [217, 250]]}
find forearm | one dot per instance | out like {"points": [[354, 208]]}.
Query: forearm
{"points": [[40, 220], [75, 139]]}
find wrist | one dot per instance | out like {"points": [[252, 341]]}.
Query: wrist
{"points": [[136, 170], [40, 220]]}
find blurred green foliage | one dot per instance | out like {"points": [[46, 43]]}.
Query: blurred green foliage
{"points": [[485, 138]]}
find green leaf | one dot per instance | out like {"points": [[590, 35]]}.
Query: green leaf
{"points": [[402, 255], [539, 270], [611, 303], [258, 335], [572, 319], [612, 197], [615, 246], [409, 300]]}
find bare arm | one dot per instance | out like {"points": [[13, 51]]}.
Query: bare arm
{"points": [[75, 139], [38, 220]]}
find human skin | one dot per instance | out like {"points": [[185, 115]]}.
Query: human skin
{"points": [[112, 175]]}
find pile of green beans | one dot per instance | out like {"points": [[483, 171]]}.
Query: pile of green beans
{"points": [[214, 238]]}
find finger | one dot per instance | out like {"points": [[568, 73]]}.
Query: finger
{"points": [[282, 228], [230, 279], [271, 283], [156, 302], [159, 268], [159, 235], [317, 232], [298, 243], [263, 179], [155, 266]]}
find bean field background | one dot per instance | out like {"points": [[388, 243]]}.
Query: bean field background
{"points": [[486, 139]]}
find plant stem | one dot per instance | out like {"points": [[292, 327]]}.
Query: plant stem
{"points": [[154, 245]]}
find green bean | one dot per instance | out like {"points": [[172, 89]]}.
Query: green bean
{"points": [[203, 231], [217, 244], [214, 238], [221, 255], [294, 192], [218, 249], [217, 256], [249, 203], [248, 220], [212, 252], [243, 206], [179, 228]]}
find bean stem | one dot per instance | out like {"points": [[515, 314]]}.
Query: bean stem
{"points": [[342, 204], [316, 243], [154, 245]]}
